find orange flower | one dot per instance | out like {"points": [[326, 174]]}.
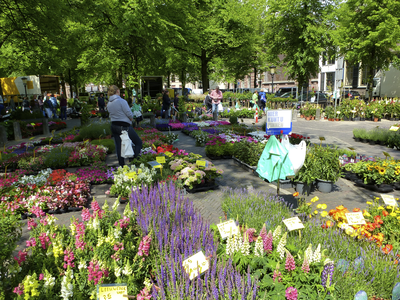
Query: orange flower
{"points": [[356, 210], [387, 249], [295, 194], [341, 207], [378, 220], [385, 213], [378, 237], [332, 212]]}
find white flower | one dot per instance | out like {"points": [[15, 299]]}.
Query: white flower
{"points": [[117, 271], [317, 254], [115, 205], [127, 270], [238, 242], [309, 254], [96, 223], [67, 289], [328, 261], [259, 247], [49, 281], [277, 232], [245, 248], [82, 265], [281, 246], [117, 233], [105, 206], [230, 245]]}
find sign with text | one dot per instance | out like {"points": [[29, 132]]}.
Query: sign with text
{"points": [[389, 200], [202, 163], [160, 159], [155, 164], [112, 291], [355, 218], [279, 121], [195, 265], [227, 229], [293, 223], [169, 154], [394, 128]]}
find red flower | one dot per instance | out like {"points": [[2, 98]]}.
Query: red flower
{"points": [[356, 210], [385, 213], [387, 249], [378, 220]]}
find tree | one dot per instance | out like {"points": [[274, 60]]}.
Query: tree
{"points": [[300, 31], [368, 32]]}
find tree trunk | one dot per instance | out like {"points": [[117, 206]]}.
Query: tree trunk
{"points": [[183, 80], [255, 77], [370, 82], [64, 86], [169, 80], [204, 71]]}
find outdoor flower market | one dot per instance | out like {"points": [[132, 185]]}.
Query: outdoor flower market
{"points": [[75, 225]]}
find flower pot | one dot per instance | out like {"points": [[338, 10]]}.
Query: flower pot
{"points": [[325, 118], [364, 140], [376, 119], [308, 118], [362, 119], [301, 116], [324, 186], [312, 118], [123, 200], [303, 188], [371, 142], [357, 139], [337, 119]]}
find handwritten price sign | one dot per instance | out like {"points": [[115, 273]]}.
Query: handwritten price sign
{"points": [[389, 200], [227, 229], [169, 154], [202, 163], [160, 159], [112, 291], [293, 223], [196, 264], [355, 218]]}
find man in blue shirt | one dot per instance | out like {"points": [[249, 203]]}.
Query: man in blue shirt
{"points": [[55, 105]]}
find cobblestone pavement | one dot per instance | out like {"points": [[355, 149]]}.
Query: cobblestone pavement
{"points": [[209, 203]]}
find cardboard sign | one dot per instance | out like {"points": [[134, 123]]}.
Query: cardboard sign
{"points": [[196, 264], [394, 128], [155, 164], [160, 159], [227, 229], [355, 218], [112, 291], [279, 121], [389, 200], [202, 163], [169, 154], [293, 223]]}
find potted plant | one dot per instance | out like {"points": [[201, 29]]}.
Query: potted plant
{"points": [[327, 167], [306, 175], [330, 112]]}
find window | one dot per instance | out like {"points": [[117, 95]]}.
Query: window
{"points": [[330, 81], [326, 60], [349, 74], [364, 75]]}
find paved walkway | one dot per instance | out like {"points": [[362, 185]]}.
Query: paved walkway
{"points": [[209, 203]]}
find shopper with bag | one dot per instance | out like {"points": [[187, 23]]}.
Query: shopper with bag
{"points": [[121, 120], [216, 96]]}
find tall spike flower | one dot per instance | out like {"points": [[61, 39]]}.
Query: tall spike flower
{"points": [[230, 245], [268, 242], [327, 274], [238, 242], [309, 254], [250, 233], [305, 266], [258, 248], [291, 293], [317, 254], [281, 246], [277, 274], [277, 232], [263, 233], [290, 264], [245, 248]]}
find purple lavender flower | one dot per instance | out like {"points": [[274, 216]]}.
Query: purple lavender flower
{"points": [[328, 270]]}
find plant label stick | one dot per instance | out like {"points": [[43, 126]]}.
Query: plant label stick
{"points": [[355, 218], [389, 200], [227, 229], [293, 223]]}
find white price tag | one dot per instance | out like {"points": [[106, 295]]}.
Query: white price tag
{"points": [[355, 218], [293, 223], [195, 265], [393, 128], [389, 200], [228, 229]]}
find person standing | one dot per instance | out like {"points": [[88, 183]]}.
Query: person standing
{"points": [[48, 106], [263, 100], [208, 102], [63, 106], [216, 96], [137, 112], [166, 106], [55, 105], [121, 119], [25, 104], [254, 99], [101, 103]]}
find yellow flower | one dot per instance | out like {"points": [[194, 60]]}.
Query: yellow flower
{"points": [[398, 218], [382, 171], [389, 207], [323, 206], [393, 214], [315, 199], [340, 224], [381, 208], [319, 205], [366, 214], [315, 212], [369, 202], [309, 203], [324, 214], [350, 231]]}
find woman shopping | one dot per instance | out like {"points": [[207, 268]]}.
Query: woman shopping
{"points": [[121, 119], [137, 112]]}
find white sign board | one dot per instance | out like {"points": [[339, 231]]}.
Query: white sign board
{"points": [[195, 265], [355, 218], [279, 120], [293, 223], [389, 200], [228, 229]]}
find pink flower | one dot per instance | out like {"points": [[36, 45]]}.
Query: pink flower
{"points": [[144, 246], [19, 289], [250, 232], [95, 273], [31, 223], [278, 275], [69, 259], [85, 215], [21, 257], [31, 242], [290, 265], [44, 240], [144, 294], [291, 293], [305, 267], [41, 276]]}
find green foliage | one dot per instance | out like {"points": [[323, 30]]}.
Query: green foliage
{"points": [[85, 115], [93, 131], [57, 158], [233, 119], [248, 152], [109, 143]]}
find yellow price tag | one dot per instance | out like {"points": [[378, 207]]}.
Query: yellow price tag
{"points": [[112, 291], [169, 154], [201, 163], [153, 146], [160, 159]]}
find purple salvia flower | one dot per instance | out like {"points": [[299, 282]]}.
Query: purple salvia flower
{"points": [[328, 270]]}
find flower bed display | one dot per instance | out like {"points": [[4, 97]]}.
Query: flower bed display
{"points": [[98, 173], [49, 190]]}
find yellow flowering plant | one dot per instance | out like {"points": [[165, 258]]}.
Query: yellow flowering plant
{"points": [[307, 208], [379, 171]]}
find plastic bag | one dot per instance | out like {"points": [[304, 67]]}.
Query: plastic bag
{"points": [[220, 108], [126, 145], [296, 153]]}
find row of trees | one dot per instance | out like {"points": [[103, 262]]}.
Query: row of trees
{"points": [[224, 40]]}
